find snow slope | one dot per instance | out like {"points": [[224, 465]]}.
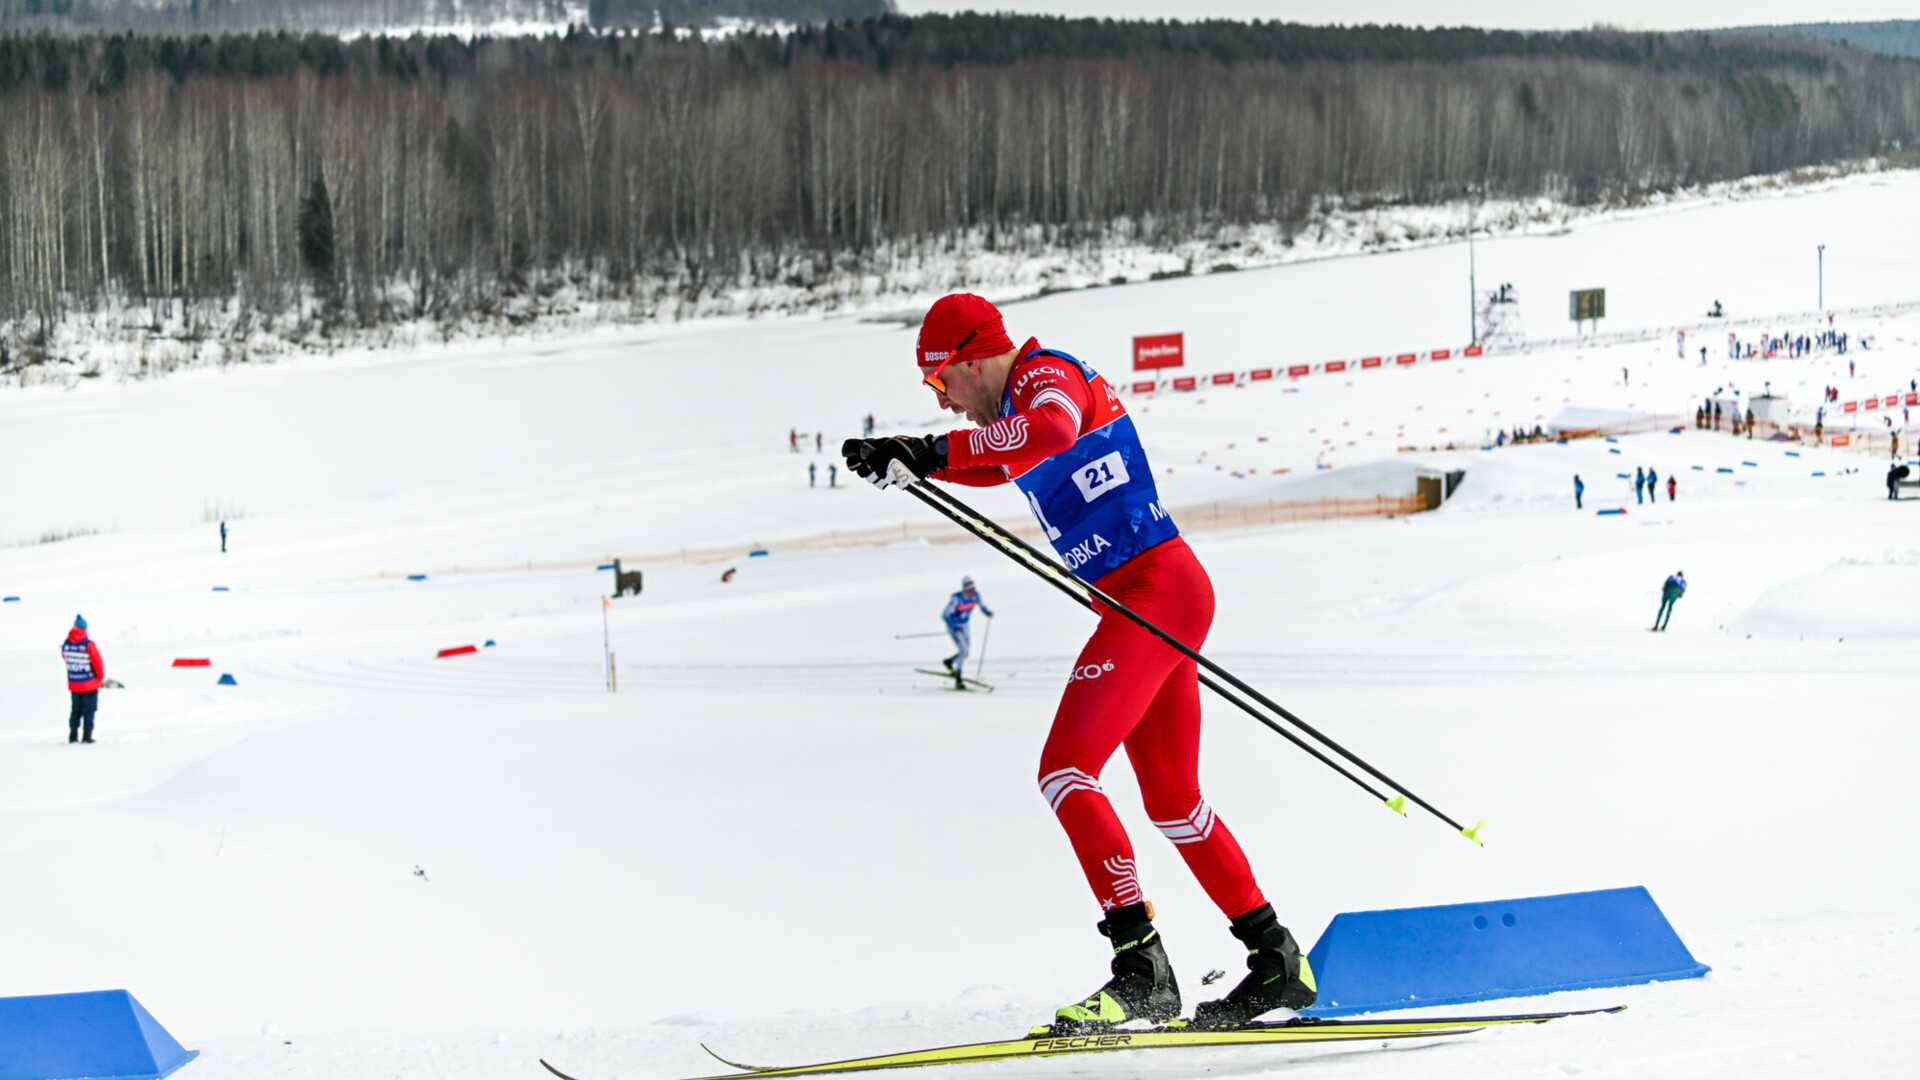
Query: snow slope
{"points": [[777, 839]]}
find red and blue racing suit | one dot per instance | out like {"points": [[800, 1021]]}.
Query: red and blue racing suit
{"points": [[1066, 440]]}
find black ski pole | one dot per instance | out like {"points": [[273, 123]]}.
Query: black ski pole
{"points": [[984, 528], [1071, 585], [980, 669]]}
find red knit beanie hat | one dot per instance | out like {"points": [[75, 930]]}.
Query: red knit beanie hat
{"points": [[960, 327]]}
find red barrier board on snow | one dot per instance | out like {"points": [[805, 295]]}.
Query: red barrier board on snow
{"points": [[1223, 378], [1185, 382], [1892, 400], [1154, 351], [1144, 387], [1873, 403], [1406, 358], [1440, 354], [1371, 361], [1842, 440], [1913, 399], [1296, 370], [457, 650], [191, 661], [1851, 406], [1472, 350], [1260, 374], [1336, 365]]}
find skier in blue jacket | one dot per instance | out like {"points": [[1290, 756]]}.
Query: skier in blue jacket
{"points": [[958, 612], [1672, 590]]}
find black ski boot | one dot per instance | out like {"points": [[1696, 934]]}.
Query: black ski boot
{"points": [[1142, 987], [1278, 976]]}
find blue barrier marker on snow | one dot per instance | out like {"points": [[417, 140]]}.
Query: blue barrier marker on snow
{"points": [[1613, 449], [604, 566], [1608, 513], [1751, 464], [227, 680], [104, 1033], [416, 577], [1723, 469], [1623, 476], [1819, 472], [221, 588], [1699, 468], [9, 600], [1610, 438], [1793, 453], [488, 645], [1368, 961], [757, 553]]}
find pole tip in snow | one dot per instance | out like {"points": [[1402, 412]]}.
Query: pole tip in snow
{"points": [[1473, 834], [1397, 804]]}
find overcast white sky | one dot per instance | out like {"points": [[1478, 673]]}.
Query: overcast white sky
{"points": [[1510, 14]]}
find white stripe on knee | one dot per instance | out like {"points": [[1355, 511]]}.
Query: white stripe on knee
{"points": [[1057, 785], [1192, 829]]}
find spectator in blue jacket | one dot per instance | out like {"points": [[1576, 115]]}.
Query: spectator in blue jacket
{"points": [[1579, 489]]}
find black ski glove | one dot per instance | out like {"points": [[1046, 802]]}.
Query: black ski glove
{"points": [[869, 458]]}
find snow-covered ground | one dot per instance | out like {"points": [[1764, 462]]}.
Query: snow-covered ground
{"points": [[779, 840]]}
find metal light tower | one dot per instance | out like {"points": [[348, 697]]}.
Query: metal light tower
{"points": [[1822, 248]]}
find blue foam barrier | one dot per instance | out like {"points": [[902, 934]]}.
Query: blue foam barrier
{"points": [[604, 566], [1793, 453], [104, 1033], [757, 553], [227, 680], [1623, 476], [1751, 464], [1819, 472], [1610, 438], [9, 600], [1676, 430], [1613, 449], [221, 588], [1368, 961], [416, 577], [1698, 468], [1723, 469], [1616, 511], [488, 645]]}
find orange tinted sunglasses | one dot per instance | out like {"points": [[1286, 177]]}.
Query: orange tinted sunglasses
{"points": [[932, 378]]}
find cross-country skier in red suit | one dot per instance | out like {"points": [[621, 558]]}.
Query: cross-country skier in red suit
{"points": [[1052, 425]]}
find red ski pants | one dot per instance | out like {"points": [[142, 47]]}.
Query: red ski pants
{"points": [[1130, 689]]}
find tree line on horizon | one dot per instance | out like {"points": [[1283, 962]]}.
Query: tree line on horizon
{"points": [[438, 177]]}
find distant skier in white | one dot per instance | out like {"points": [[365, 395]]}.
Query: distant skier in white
{"points": [[956, 616]]}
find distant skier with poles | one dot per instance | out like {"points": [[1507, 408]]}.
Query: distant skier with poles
{"points": [[957, 614], [1674, 588], [1052, 425]]}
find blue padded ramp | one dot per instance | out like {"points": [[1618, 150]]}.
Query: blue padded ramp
{"points": [[101, 1035], [1370, 961]]}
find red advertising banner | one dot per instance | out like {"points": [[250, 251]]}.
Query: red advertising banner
{"points": [[1406, 358], [1185, 382], [1144, 387], [1851, 406], [1440, 354], [1892, 400], [1371, 361], [1873, 403], [1336, 365], [1913, 399], [1294, 371], [1223, 378], [1472, 350], [1154, 351], [1260, 374], [1842, 440]]}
